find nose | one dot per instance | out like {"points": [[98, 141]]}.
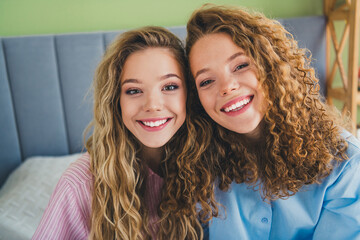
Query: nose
{"points": [[153, 103], [228, 85]]}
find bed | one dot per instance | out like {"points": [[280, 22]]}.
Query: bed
{"points": [[45, 106]]}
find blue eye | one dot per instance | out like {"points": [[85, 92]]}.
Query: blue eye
{"points": [[132, 91], [241, 66], [170, 87], [205, 82]]}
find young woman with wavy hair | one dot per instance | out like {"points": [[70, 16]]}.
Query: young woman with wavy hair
{"points": [[134, 182], [285, 167]]}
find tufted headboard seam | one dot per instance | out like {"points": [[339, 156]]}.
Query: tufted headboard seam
{"points": [[61, 93]]}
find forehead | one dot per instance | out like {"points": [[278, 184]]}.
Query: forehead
{"points": [[149, 52], [213, 47], [150, 64], [150, 59]]}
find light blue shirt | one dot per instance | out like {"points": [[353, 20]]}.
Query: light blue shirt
{"points": [[330, 210]]}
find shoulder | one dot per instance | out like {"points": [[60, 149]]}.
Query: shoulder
{"points": [[75, 186], [68, 213], [353, 150], [348, 168], [79, 171], [77, 181]]}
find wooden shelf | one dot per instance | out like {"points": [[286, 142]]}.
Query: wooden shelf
{"points": [[340, 94], [349, 12]]}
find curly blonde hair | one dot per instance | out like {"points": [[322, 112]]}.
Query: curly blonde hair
{"points": [[118, 208], [301, 134]]}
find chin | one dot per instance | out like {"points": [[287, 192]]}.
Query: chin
{"points": [[156, 145]]}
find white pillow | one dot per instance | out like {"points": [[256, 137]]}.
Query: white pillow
{"points": [[26, 193]]}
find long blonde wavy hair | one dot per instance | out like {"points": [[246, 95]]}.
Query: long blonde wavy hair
{"points": [[301, 134], [118, 208]]}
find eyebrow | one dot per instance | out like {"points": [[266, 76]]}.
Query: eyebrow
{"points": [[170, 75], [130, 80], [201, 72], [166, 76], [232, 57]]}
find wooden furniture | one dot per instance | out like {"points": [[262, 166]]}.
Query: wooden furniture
{"points": [[348, 11]]}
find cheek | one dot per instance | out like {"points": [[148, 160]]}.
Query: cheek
{"points": [[126, 110], [263, 103], [206, 100], [176, 104], [181, 105]]}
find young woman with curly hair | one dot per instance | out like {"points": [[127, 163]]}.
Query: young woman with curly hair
{"points": [[284, 167], [138, 162]]}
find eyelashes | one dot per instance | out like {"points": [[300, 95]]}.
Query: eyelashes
{"points": [[170, 87], [167, 88], [239, 67], [205, 82], [133, 91]]}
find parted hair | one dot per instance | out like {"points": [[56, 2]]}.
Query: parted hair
{"points": [[118, 208], [301, 134]]}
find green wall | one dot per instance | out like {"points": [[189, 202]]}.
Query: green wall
{"points": [[24, 17]]}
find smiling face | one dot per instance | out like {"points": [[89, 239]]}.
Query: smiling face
{"points": [[227, 85], [153, 96]]}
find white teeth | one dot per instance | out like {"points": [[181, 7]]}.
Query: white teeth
{"points": [[155, 124], [237, 105]]}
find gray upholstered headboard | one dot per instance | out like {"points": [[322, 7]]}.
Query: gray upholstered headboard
{"points": [[44, 79]]}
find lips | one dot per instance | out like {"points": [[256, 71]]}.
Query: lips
{"points": [[238, 104], [154, 124]]}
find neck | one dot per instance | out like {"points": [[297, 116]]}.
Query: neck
{"points": [[256, 136], [152, 157]]}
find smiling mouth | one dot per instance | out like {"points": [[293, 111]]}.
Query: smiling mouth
{"points": [[153, 124], [238, 105]]}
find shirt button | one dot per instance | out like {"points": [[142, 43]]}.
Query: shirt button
{"points": [[264, 220]]}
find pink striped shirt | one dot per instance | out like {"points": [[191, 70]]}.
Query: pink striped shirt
{"points": [[67, 215]]}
